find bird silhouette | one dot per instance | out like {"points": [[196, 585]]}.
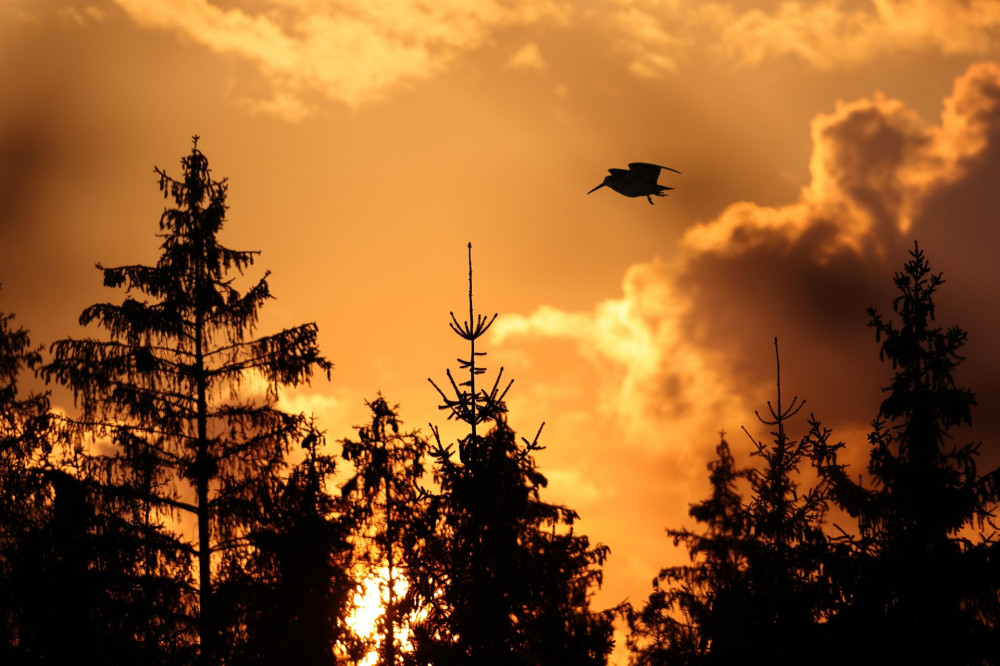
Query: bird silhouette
{"points": [[638, 181]]}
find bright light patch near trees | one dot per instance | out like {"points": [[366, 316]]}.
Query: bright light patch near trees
{"points": [[369, 610]]}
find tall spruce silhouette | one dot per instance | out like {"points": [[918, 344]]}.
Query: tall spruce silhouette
{"points": [[693, 604], [390, 513], [504, 578], [924, 562], [757, 589], [788, 548], [169, 390]]}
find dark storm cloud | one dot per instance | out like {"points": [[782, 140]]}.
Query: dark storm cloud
{"points": [[816, 310], [806, 272], [960, 224], [881, 179]]}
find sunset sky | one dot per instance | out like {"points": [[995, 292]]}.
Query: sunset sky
{"points": [[367, 141]]}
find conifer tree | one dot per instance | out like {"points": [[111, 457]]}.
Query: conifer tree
{"points": [[390, 509], [167, 390], [504, 578], [917, 567], [757, 589], [291, 583], [693, 605], [25, 491], [25, 442], [788, 550], [68, 567]]}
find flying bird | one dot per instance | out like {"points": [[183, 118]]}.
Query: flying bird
{"points": [[638, 181]]}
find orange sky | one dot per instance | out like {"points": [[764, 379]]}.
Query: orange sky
{"points": [[367, 141]]}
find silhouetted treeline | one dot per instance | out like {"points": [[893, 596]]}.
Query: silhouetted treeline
{"points": [[181, 518], [912, 576]]}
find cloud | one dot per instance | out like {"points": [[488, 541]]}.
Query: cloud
{"points": [[654, 47], [686, 349], [352, 51], [572, 487], [40, 14], [646, 368], [829, 34], [355, 51], [528, 57], [332, 408], [80, 17], [961, 221], [874, 164]]}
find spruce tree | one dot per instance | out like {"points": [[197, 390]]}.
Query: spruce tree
{"points": [[290, 586], [757, 588], [71, 572], [25, 438], [25, 495], [504, 578], [924, 561], [389, 507], [788, 550], [167, 392], [693, 606]]}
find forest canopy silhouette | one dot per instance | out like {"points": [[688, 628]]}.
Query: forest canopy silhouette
{"points": [[177, 516]]}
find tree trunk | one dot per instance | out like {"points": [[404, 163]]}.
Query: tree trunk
{"points": [[202, 472]]}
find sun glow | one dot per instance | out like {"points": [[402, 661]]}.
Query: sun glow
{"points": [[370, 602]]}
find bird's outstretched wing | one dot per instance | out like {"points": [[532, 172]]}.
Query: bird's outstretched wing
{"points": [[618, 172], [647, 171]]}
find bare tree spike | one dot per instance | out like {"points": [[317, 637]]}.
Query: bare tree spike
{"points": [[779, 414], [468, 403]]}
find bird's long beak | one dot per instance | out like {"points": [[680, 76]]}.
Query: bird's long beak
{"points": [[597, 188]]}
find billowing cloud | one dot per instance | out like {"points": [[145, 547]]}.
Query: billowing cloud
{"points": [[686, 350], [687, 347], [647, 370], [874, 164], [349, 51]]}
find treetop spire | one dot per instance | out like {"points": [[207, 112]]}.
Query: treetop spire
{"points": [[469, 404]]}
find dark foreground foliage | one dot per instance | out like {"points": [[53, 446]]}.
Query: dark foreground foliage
{"points": [[918, 578], [181, 518]]}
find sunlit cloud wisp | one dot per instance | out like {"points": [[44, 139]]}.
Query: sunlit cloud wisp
{"points": [[830, 34], [349, 52]]}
